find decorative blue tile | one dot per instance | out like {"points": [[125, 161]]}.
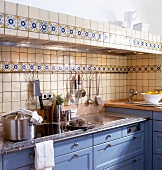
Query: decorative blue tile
{"points": [[89, 68], [98, 68], [78, 68], [87, 34], [53, 28], [33, 25], [71, 31], [63, 30], [79, 33], [6, 66], [66, 67], [43, 26], [39, 67], [106, 37], [24, 67], [94, 35], [84, 68], [60, 67], [15, 67], [31, 67], [46, 67], [22, 23], [100, 36], [1, 20], [11, 21], [94, 68], [53, 67]]}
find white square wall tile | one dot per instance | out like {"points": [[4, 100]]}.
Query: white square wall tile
{"points": [[2, 6], [100, 26], [22, 10], [10, 8], [106, 27], [112, 28], [33, 12], [53, 16], [43, 15], [87, 23], [93, 25], [71, 20], [79, 22], [62, 18]]}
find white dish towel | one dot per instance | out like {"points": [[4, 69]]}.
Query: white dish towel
{"points": [[44, 155]]}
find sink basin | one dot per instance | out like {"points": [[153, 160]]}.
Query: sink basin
{"points": [[99, 118]]}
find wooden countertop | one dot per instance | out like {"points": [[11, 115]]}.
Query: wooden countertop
{"points": [[124, 104]]}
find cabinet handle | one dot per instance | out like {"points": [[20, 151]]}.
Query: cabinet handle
{"points": [[76, 144], [32, 156], [134, 160], [75, 155], [32, 168], [134, 137], [109, 145], [109, 136]]}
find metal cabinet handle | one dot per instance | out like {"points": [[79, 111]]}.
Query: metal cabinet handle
{"points": [[109, 145], [32, 156], [134, 160], [134, 137], [75, 155], [76, 144], [109, 136]]}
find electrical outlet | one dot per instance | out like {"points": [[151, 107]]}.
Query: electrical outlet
{"points": [[46, 96]]}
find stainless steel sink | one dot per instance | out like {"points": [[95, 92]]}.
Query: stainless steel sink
{"points": [[99, 118]]}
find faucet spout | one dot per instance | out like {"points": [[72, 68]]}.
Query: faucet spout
{"points": [[131, 94]]}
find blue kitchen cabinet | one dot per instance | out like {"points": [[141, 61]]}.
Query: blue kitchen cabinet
{"points": [[116, 151], [157, 162], [79, 160], [148, 135], [0, 162], [136, 163]]}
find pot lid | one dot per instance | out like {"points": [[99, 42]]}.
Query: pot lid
{"points": [[17, 116]]}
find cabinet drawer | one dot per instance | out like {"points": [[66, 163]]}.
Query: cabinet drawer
{"points": [[29, 167], [79, 160], [108, 135], [157, 142], [72, 145], [157, 162], [18, 159], [113, 152], [135, 163], [132, 129], [157, 126]]}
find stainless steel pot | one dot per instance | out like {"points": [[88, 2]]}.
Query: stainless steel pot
{"points": [[17, 127]]}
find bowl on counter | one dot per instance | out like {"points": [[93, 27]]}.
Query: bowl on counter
{"points": [[152, 98]]}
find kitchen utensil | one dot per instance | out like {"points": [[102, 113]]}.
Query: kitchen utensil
{"points": [[17, 127], [71, 90], [89, 99], [67, 115], [98, 98], [78, 92], [82, 91]]}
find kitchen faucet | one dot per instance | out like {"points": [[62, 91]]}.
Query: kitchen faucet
{"points": [[131, 94]]}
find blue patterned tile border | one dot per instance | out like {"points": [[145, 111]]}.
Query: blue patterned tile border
{"points": [[2, 20], [23, 24], [11, 22], [34, 25]]}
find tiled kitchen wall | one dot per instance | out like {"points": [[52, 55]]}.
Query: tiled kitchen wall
{"points": [[145, 73], [15, 88]]}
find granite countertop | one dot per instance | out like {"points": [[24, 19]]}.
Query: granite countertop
{"points": [[136, 105], [109, 121]]}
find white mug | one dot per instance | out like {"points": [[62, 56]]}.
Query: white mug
{"points": [[129, 17]]}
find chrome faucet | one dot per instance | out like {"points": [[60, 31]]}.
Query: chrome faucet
{"points": [[131, 94]]}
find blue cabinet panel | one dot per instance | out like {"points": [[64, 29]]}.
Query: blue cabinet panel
{"points": [[157, 143], [157, 126], [80, 160], [106, 136], [72, 145], [157, 115], [17, 159], [29, 167], [111, 153], [136, 163], [146, 113], [157, 162], [0, 162]]}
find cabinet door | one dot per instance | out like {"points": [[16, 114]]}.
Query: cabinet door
{"points": [[157, 143], [29, 167], [0, 162], [80, 160], [136, 163], [157, 162], [111, 153]]}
